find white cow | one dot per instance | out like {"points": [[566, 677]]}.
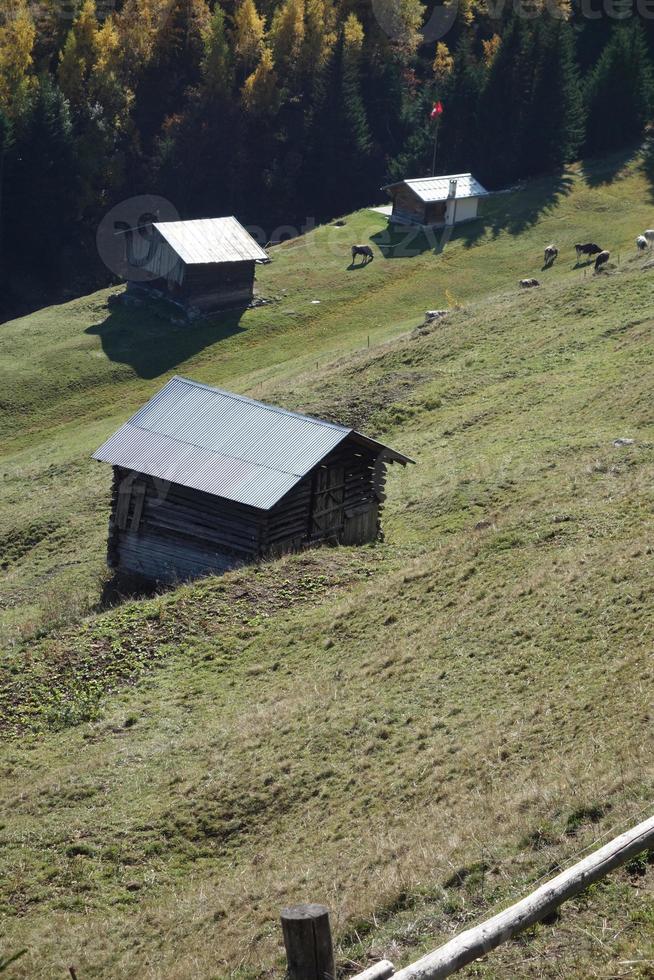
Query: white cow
{"points": [[649, 235]]}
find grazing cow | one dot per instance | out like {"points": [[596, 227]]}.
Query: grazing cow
{"points": [[551, 253], [649, 236], [589, 248], [364, 251], [528, 283], [642, 243], [602, 259]]}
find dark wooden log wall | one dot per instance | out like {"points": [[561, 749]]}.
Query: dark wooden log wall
{"points": [[167, 532], [364, 477], [214, 285], [288, 521]]}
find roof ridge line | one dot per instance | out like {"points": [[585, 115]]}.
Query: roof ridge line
{"points": [[468, 173], [254, 401], [187, 221]]}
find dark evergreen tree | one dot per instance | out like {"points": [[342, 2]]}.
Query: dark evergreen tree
{"points": [[6, 136], [178, 59], [319, 140], [393, 104], [340, 134], [619, 93], [554, 125], [42, 172], [505, 105], [203, 138], [356, 132], [459, 129]]}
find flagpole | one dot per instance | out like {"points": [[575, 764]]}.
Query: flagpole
{"points": [[436, 114], [433, 162]]}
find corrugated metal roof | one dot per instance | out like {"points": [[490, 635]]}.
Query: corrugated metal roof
{"points": [[430, 189], [225, 444], [210, 240]]}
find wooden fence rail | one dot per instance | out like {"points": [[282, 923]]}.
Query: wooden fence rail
{"points": [[317, 962]]}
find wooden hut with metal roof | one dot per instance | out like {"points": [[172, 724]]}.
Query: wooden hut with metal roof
{"points": [[208, 264], [435, 202], [204, 480]]}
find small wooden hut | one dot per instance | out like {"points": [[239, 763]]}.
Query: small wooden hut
{"points": [[207, 264], [204, 480], [435, 201]]}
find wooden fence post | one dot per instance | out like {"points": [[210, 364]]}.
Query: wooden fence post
{"points": [[308, 942]]}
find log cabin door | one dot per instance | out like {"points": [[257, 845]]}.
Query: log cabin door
{"points": [[327, 503], [435, 213]]}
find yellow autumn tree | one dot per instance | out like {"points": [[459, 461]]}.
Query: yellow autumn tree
{"points": [[287, 36], [260, 93], [138, 26], [249, 33], [320, 34], [353, 34], [80, 54], [106, 84], [490, 49], [217, 62], [561, 9], [17, 36], [401, 21], [181, 37], [443, 62]]}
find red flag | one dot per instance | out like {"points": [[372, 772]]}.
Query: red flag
{"points": [[437, 110]]}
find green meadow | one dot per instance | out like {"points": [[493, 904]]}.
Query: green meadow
{"points": [[412, 732]]}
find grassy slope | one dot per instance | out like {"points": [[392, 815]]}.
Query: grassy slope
{"points": [[356, 725]]}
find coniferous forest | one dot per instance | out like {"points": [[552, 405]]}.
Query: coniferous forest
{"points": [[283, 111]]}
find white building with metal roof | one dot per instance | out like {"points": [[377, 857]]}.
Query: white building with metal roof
{"points": [[435, 201], [205, 479]]}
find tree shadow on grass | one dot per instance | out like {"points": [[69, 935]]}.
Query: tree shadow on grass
{"points": [[409, 241], [599, 171], [516, 210], [647, 166], [152, 345], [513, 211]]}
